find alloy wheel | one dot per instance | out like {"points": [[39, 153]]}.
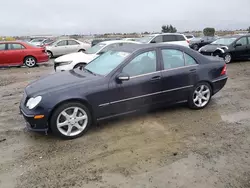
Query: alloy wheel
{"points": [[201, 96], [72, 121], [30, 62], [228, 58]]}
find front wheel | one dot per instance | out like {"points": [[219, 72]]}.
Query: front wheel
{"points": [[30, 62], [228, 58], [196, 47], [200, 96], [70, 120]]}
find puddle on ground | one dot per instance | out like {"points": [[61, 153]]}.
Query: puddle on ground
{"points": [[236, 117]]}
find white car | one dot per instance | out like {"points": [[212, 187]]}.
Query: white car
{"points": [[74, 60], [66, 46], [172, 38]]}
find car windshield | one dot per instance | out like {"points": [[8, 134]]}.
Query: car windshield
{"points": [[145, 39], [105, 63], [95, 48], [224, 41], [37, 40]]}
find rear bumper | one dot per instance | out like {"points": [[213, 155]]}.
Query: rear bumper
{"points": [[219, 83], [42, 58]]}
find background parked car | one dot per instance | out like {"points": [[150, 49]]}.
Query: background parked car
{"points": [[197, 43], [19, 53], [230, 48], [171, 38], [98, 40], [74, 60], [66, 46], [41, 41]]}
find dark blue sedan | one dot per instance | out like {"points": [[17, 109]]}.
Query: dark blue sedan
{"points": [[119, 82]]}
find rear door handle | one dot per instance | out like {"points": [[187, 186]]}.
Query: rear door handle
{"points": [[155, 78]]}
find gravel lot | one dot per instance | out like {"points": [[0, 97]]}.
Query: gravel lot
{"points": [[173, 147]]}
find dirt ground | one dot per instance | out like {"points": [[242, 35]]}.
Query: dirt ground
{"points": [[174, 147]]}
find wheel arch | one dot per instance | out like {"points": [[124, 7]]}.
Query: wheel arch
{"points": [[81, 49], [79, 100], [208, 82]]}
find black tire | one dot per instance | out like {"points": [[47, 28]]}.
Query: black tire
{"points": [[50, 54], [196, 47], [191, 102], [30, 61], [80, 65], [227, 57], [81, 50], [58, 110]]}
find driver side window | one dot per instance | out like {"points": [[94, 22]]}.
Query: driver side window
{"points": [[242, 41], [62, 43], [142, 64]]}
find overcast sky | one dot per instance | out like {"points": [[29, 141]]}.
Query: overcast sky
{"points": [[33, 17]]}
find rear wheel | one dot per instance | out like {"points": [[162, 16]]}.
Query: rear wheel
{"points": [[200, 96], [50, 54], [30, 61], [81, 50], [70, 120]]}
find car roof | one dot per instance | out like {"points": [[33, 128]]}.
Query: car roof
{"points": [[130, 48], [166, 34], [16, 41], [117, 41]]}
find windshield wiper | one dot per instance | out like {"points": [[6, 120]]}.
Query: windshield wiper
{"points": [[89, 71]]}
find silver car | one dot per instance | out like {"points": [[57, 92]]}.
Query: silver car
{"points": [[66, 46]]}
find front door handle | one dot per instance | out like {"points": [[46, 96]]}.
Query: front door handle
{"points": [[192, 70], [155, 78]]}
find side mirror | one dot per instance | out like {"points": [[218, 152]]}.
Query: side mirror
{"points": [[122, 77], [202, 40], [237, 44]]}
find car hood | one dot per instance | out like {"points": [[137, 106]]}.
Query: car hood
{"points": [[76, 57], [59, 81], [213, 47]]}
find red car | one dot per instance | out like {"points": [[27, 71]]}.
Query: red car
{"points": [[18, 53]]}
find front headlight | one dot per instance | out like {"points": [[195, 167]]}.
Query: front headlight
{"points": [[65, 63], [33, 102]]}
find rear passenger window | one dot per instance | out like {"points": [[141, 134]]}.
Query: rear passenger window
{"points": [[169, 38], [180, 38], [157, 39], [2, 46], [189, 60], [172, 59], [15, 46]]}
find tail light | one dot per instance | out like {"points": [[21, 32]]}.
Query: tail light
{"points": [[188, 41], [224, 70]]}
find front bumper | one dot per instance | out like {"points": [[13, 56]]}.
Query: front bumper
{"points": [[35, 124], [59, 68], [211, 54]]}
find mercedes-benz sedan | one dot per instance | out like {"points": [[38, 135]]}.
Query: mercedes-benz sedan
{"points": [[119, 82]]}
